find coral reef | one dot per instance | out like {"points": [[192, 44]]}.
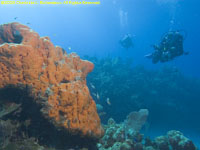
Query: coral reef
{"points": [[179, 142], [115, 139], [40, 81], [165, 92], [124, 136]]}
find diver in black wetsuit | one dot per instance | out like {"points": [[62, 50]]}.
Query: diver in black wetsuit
{"points": [[171, 46]]}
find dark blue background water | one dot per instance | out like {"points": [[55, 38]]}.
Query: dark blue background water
{"points": [[96, 30]]}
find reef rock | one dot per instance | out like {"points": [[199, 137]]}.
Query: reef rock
{"points": [[56, 79], [179, 142], [115, 139]]}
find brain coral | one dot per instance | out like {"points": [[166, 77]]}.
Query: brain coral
{"points": [[57, 79]]}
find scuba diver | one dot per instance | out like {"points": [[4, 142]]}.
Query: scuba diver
{"points": [[126, 41], [171, 46]]}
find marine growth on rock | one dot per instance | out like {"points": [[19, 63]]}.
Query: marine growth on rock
{"points": [[54, 79]]}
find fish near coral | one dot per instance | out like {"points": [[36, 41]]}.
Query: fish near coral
{"points": [[98, 97], [92, 85], [108, 101]]}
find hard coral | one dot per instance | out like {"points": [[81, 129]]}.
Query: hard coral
{"points": [[179, 142], [57, 80], [162, 143], [114, 139]]}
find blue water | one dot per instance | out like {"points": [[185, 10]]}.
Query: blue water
{"points": [[96, 31]]}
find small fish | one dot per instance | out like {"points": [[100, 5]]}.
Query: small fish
{"points": [[108, 101], [94, 94], [69, 48], [28, 23], [92, 85], [54, 34], [15, 18], [98, 97], [102, 113]]}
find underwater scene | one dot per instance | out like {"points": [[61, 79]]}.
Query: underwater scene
{"points": [[100, 75]]}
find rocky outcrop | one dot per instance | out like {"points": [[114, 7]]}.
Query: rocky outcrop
{"points": [[55, 80], [115, 138]]}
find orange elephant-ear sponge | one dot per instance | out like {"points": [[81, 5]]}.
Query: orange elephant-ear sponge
{"points": [[31, 60]]}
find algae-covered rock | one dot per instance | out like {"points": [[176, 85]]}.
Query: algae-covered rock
{"points": [[119, 134], [115, 139], [149, 148], [138, 146], [28, 144], [8, 130], [179, 142], [111, 121], [117, 146], [125, 146], [162, 143]]}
